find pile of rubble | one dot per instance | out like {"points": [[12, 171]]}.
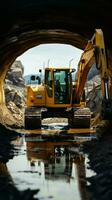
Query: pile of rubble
{"points": [[93, 94], [14, 88]]}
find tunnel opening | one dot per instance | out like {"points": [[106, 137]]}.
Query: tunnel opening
{"points": [[33, 63], [33, 39], [29, 23], [14, 125], [15, 46], [47, 22]]}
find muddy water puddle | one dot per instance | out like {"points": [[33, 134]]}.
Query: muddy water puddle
{"points": [[58, 169]]}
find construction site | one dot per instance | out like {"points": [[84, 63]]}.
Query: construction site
{"points": [[56, 130]]}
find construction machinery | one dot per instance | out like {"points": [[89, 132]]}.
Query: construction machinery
{"points": [[95, 54], [56, 97], [61, 96]]}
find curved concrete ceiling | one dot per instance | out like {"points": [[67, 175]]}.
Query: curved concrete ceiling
{"points": [[24, 24]]}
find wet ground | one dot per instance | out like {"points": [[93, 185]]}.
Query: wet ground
{"points": [[32, 167]]}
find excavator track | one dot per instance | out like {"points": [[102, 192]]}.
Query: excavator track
{"points": [[80, 118], [32, 118]]}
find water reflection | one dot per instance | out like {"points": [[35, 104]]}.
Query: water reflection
{"points": [[55, 155], [63, 162], [54, 168], [8, 190]]}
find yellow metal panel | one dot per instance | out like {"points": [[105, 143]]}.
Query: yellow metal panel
{"points": [[36, 96]]}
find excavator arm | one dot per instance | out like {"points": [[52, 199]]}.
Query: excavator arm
{"points": [[94, 53]]}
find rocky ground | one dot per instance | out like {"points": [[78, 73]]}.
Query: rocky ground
{"points": [[15, 103], [100, 161]]}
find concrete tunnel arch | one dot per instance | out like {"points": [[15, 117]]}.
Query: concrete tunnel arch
{"points": [[31, 40], [29, 23], [35, 39]]}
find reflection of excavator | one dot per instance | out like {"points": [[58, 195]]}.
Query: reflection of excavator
{"points": [[60, 163], [55, 156], [62, 97]]}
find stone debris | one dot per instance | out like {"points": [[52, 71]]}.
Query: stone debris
{"points": [[15, 93], [15, 74]]}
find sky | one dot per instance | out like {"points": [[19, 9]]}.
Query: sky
{"points": [[57, 55]]}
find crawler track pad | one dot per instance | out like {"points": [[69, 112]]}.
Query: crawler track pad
{"points": [[80, 118]]}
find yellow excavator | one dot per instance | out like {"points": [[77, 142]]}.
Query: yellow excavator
{"points": [[61, 96], [55, 98]]}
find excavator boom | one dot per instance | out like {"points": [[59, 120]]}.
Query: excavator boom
{"points": [[95, 53]]}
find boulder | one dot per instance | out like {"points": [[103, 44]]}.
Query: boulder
{"points": [[93, 94], [15, 74]]}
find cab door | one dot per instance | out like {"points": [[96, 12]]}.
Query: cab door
{"points": [[62, 86], [49, 87]]}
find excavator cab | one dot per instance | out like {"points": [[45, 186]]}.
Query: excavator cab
{"points": [[59, 85], [62, 86]]}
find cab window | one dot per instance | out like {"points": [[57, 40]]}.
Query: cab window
{"points": [[48, 83]]}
